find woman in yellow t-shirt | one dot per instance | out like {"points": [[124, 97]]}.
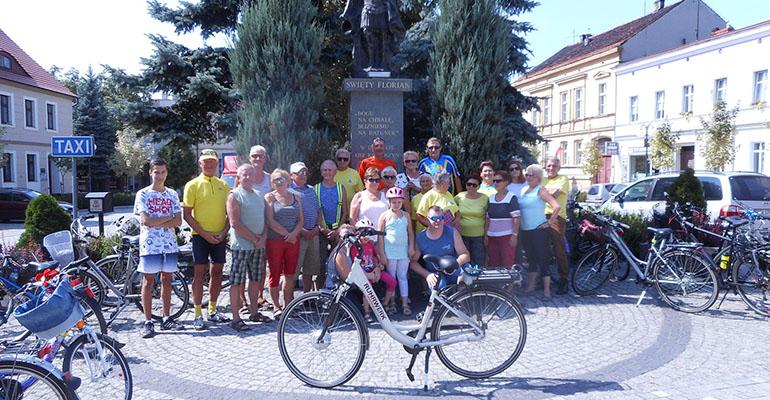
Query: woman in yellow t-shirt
{"points": [[473, 208]]}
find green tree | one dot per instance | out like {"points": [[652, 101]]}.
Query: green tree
{"points": [[663, 147], [592, 160], [182, 164], [475, 109], [275, 68], [719, 136], [43, 216], [93, 119], [131, 153], [687, 188]]}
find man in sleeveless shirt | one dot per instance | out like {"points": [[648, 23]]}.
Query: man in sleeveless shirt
{"points": [[438, 240]]}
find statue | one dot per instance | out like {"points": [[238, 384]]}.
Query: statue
{"points": [[377, 31]]}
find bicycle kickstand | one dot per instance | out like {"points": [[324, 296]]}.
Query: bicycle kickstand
{"points": [[722, 301], [641, 297], [426, 379], [409, 373]]}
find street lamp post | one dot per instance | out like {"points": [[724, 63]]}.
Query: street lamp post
{"points": [[646, 151]]}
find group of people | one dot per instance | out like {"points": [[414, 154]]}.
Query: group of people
{"points": [[277, 223]]}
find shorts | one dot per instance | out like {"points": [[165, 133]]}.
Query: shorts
{"points": [[246, 262], [203, 251], [154, 263], [309, 260]]}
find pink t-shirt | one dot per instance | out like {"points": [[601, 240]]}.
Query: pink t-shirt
{"points": [[370, 259]]}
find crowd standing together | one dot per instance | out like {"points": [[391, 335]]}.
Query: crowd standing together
{"points": [[280, 228]]}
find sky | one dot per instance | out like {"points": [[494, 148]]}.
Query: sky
{"points": [[79, 33]]}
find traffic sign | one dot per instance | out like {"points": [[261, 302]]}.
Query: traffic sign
{"points": [[611, 148], [72, 146]]}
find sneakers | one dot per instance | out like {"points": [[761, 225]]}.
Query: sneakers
{"points": [[198, 324], [148, 330], [168, 323], [216, 317]]}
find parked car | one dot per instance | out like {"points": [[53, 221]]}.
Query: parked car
{"points": [[601, 192], [726, 193], [13, 203]]}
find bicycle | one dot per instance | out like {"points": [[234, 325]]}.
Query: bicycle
{"points": [[29, 377], [681, 273], [584, 237], [318, 331]]}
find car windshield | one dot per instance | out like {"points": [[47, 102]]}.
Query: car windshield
{"points": [[750, 187], [594, 189], [32, 194], [618, 187]]}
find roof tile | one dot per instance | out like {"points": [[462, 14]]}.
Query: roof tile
{"points": [[38, 76]]}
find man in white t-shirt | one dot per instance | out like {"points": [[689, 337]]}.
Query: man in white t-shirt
{"points": [[159, 213]]}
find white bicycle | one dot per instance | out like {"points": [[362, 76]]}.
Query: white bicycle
{"points": [[478, 330]]}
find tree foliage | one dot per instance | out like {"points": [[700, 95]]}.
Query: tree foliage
{"points": [[663, 147], [687, 188], [43, 216], [131, 153], [592, 159], [92, 119], [719, 137], [181, 162], [475, 109]]}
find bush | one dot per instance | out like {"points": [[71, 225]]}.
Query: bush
{"points": [[43, 216], [102, 247], [24, 253], [687, 189], [636, 237]]}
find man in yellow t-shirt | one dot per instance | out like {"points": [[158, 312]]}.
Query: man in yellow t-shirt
{"points": [[346, 176], [558, 186], [442, 197], [204, 203]]}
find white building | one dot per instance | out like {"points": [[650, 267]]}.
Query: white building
{"points": [[682, 85]]}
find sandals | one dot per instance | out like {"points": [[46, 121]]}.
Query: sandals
{"points": [[264, 305], [391, 309], [406, 310], [258, 317], [239, 325]]}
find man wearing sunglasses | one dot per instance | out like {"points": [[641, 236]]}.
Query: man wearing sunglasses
{"points": [[347, 177], [436, 162], [438, 240], [377, 160]]}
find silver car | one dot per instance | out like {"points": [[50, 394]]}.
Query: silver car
{"points": [[601, 192]]}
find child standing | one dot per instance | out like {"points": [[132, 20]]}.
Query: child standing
{"points": [[397, 247], [373, 267]]}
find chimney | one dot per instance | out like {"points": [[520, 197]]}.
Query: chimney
{"points": [[721, 31], [658, 5], [585, 38]]}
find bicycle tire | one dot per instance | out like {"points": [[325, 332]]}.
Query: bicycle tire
{"points": [[114, 267], [686, 275], [180, 294], [92, 386], [47, 386], [300, 324], [752, 283], [593, 270], [93, 312], [493, 347]]}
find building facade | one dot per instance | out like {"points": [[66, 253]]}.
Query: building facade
{"points": [[681, 87], [34, 106], [576, 87]]}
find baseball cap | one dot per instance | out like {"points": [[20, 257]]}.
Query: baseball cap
{"points": [[208, 154], [296, 167]]}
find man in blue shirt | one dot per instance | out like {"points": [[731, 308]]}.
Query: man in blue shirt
{"points": [[309, 260], [437, 162], [438, 240]]}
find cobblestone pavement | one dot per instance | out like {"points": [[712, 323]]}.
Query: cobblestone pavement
{"points": [[601, 347]]}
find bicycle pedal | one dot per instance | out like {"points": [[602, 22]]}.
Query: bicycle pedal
{"points": [[419, 316]]}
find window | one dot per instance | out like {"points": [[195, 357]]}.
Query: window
{"points": [[5, 109], [758, 157], [634, 115], [578, 103], [602, 97], [750, 187], [535, 117], [564, 106], [578, 145], [50, 112], [5, 61], [760, 86], [7, 164], [660, 103], [720, 90], [712, 188], [546, 111], [639, 191], [31, 167], [688, 97], [563, 156], [29, 113], [661, 187]]}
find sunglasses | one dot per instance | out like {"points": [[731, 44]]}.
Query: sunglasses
{"points": [[279, 181], [410, 161], [497, 180], [529, 175], [373, 180], [301, 172], [343, 158], [436, 218], [389, 177], [433, 147], [258, 156], [471, 184], [515, 169]]}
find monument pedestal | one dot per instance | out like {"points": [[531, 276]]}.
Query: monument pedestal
{"points": [[377, 110]]}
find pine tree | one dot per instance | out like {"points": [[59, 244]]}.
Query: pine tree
{"points": [[275, 68], [92, 119], [475, 109], [182, 164]]}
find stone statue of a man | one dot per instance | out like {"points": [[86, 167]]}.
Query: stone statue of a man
{"points": [[377, 31]]}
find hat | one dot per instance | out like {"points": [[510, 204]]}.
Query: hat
{"points": [[208, 154], [296, 167]]}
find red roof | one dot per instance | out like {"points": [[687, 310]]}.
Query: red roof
{"points": [[36, 76], [601, 42]]}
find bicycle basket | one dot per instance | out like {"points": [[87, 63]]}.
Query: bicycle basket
{"points": [[47, 319], [592, 232], [59, 246]]}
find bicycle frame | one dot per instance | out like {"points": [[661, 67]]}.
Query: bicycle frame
{"points": [[358, 279]]}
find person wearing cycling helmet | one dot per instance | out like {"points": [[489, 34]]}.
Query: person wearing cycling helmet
{"points": [[397, 246], [373, 266], [438, 240]]}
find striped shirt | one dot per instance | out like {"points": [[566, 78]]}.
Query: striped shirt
{"points": [[501, 214]]}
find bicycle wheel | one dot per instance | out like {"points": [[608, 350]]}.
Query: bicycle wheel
{"points": [[93, 315], [93, 283], [24, 380], [593, 270], [685, 280], [335, 358], [180, 294], [753, 285], [103, 376], [504, 332], [114, 267]]}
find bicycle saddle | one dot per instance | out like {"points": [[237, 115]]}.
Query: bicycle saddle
{"points": [[42, 266], [660, 231], [735, 221], [445, 264]]}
